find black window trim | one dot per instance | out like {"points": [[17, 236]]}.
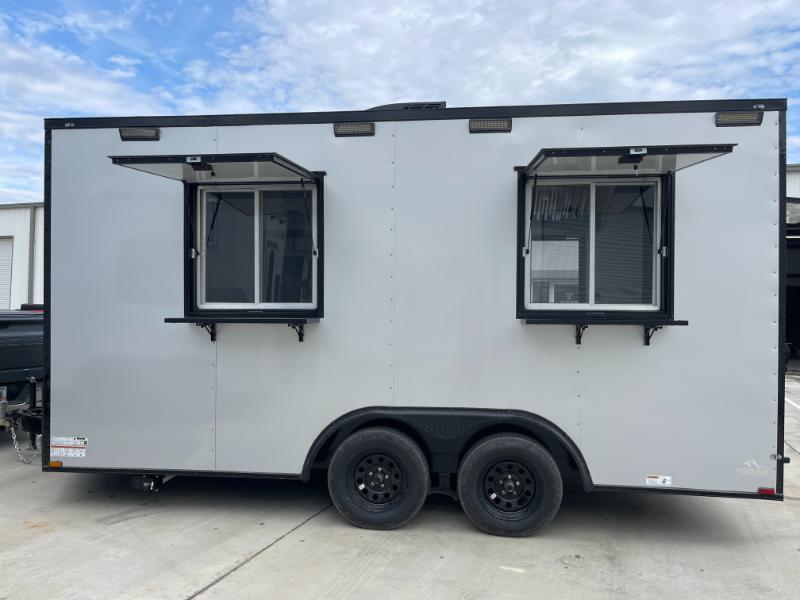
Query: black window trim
{"points": [[663, 316], [246, 315]]}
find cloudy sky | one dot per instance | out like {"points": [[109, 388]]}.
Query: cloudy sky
{"points": [[144, 57]]}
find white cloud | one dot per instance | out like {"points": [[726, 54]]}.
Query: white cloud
{"points": [[124, 66], [124, 61], [38, 77], [293, 55], [86, 26], [38, 80], [336, 55]]}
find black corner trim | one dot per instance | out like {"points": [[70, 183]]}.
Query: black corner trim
{"points": [[449, 431], [782, 258], [48, 158]]}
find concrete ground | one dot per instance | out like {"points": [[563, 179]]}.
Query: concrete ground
{"points": [[86, 536]]}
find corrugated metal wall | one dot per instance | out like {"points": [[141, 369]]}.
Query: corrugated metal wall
{"points": [[22, 280], [6, 256]]}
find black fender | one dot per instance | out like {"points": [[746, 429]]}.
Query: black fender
{"points": [[445, 434]]}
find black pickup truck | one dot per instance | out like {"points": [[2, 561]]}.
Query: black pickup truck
{"points": [[21, 358]]}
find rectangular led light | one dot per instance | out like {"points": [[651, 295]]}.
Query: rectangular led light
{"points": [[490, 125], [738, 118], [353, 129], [139, 134]]}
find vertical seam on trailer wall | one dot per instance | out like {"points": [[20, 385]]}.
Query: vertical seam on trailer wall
{"points": [[781, 399], [214, 411], [393, 270], [580, 397]]}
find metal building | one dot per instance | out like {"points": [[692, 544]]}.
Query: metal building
{"points": [[21, 254]]}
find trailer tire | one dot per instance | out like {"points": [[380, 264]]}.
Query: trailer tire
{"points": [[509, 485], [378, 478]]}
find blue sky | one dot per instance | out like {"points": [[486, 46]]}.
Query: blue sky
{"points": [[142, 57]]}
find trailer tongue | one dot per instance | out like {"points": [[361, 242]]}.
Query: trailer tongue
{"points": [[21, 372]]}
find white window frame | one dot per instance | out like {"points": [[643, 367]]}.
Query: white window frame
{"points": [[200, 291], [593, 183]]}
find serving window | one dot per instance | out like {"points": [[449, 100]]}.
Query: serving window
{"points": [[595, 234], [253, 237]]}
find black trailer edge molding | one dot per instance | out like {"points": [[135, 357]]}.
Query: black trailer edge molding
{"points": [[181, 472], [780, 449], [483, 112], [686, 492], [296, 477]]}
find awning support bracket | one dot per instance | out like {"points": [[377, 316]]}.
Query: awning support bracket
{"points": [[211, 329], [579, 329], [649, 330], [300, 330]]}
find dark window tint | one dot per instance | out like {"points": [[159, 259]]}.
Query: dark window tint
{"points": [[624, 232], [286, 255], [559, 258], [230, 247]]}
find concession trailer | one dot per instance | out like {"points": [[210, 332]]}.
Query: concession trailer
{"points": [[488, 303]]}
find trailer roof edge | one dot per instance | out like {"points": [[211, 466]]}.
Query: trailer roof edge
{"points": [[306, 118]]}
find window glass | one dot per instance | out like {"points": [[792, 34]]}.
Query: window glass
{"points": [[286, 254], [559, 250], [624, 248], [230, 247]]}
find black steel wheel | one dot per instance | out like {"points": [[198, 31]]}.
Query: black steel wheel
{"points": [[377, 481], [509, 485], [378, 478]]}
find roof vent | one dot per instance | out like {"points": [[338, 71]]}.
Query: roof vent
{"points": [[411, 106]]}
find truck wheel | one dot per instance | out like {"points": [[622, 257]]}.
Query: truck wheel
{"points": [[378, 478], [509, 485]]}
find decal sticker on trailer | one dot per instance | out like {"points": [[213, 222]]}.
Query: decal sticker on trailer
{"points": [[751, 467], [68, 447], [663, 480]]}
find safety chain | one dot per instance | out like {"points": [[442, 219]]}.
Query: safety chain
{"points": [[37, 450]]}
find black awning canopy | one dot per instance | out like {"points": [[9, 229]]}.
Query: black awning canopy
{"points": [[218, 168], [622, 160]]}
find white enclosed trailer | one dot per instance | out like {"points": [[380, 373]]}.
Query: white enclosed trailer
{"points": [[493, 301]]}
